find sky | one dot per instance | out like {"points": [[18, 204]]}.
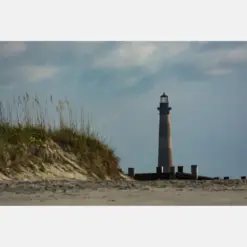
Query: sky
{"points": [[119, 85]]}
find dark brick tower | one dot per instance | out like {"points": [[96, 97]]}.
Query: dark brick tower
{"points": [[165, 142]]}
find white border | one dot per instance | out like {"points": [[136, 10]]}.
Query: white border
{"points": [[122, 226], [123, 20]]}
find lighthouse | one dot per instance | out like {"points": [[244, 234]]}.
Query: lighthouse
{"points": [[165, 142]]}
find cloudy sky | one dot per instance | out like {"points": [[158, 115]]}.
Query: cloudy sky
{"points": [[119, 83]]}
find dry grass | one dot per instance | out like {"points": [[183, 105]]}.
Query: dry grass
{"points": [[31, 141]]}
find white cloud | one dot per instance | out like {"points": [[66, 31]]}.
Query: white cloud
{"points": [[214, 60], [150, 55], [237, 55], [172, 49], [12, 48], [127, 55], [219, 72], [34, 73], [74, 48]]}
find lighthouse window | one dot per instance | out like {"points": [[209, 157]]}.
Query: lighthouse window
{"points": [[164, 100]]}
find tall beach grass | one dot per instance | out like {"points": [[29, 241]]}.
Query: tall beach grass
{"points": [[26, 121]]}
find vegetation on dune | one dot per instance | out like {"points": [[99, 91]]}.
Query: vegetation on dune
{"points": [[30, 141]]}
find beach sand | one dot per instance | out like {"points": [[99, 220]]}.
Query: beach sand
{"points": [[75, 192]]}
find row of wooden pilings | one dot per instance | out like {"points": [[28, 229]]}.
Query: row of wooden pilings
{"points": [[159, 170], [180, 170]]}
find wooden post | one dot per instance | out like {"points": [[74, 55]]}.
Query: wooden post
{"points": [[159, 169], [194, 171], [131, 171], [172, 172], [180, 169]]}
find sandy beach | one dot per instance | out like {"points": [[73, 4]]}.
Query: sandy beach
{"points": [[75, 192]]}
